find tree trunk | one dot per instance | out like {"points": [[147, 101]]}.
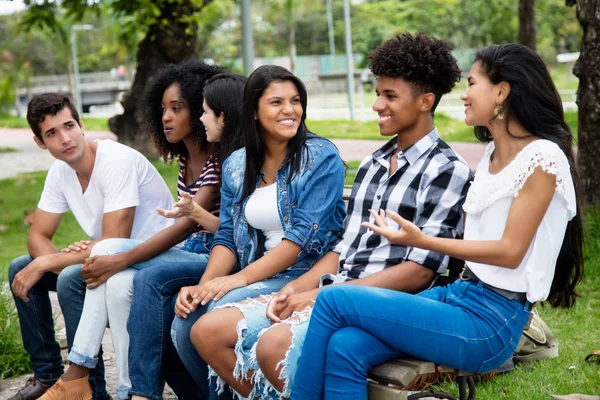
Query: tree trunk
{"points": [[587, 69], [527, 34], [164, 44], [293, 47]]}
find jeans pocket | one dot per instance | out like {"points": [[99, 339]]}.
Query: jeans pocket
{"points": [[499, 358]]}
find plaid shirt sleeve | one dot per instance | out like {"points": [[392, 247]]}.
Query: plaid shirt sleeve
{"points": [[439, 211]]}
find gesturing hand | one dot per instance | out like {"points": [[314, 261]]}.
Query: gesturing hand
{"points": [[96, 270], [182, 208], [408, 235]]}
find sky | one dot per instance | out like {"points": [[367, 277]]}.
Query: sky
{"points": [[10, 6]]}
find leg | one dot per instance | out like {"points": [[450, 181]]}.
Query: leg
{"points": [[118, 301], [37, 325], [152, 357], [351, 353], [71, 291], [440, 325]]}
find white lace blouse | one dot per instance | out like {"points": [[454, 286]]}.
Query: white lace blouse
{"points": [[488, 203]]}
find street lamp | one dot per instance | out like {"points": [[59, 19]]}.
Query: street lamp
{"points": [[75, 28]]}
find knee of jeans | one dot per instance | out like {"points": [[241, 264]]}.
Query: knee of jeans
{"points": [[17, 265], [107, 247], [119, 289], [69, 280]]}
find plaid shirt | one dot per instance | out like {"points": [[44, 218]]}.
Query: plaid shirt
{"points": [[428, 188]]}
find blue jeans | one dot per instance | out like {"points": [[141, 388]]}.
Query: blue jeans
{"points": [[152, 357], [180, 331], [354, 328], [37, 324]]}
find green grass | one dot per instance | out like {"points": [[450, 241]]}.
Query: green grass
{"points": [[7, 150], [578, 329]]}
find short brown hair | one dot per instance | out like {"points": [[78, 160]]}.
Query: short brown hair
{"points": [[48, 104]]}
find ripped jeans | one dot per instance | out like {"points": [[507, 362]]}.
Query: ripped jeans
{"points": [[180, 330], [250, 329]]}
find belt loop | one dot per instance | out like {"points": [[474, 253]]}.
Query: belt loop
{"points": [[480, 284]]}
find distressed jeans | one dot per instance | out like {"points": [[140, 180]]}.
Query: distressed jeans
{"points": [[181, 328], [37, 324], [353, 328]]}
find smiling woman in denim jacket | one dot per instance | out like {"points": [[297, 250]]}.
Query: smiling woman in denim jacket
{"points": [[281, 207]]}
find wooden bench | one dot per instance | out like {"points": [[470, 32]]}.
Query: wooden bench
{"points": [[393, 380]]}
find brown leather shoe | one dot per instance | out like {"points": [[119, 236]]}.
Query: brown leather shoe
{"points": [[32, 390]]}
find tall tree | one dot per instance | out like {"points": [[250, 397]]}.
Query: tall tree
{"points": [[587, 69], [170, 34], [527, 34]]}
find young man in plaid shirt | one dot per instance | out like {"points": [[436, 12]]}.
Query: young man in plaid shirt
{"points": [[415, 174]]}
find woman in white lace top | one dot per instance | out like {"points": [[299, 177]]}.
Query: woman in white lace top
{"points": [[522, 244]]}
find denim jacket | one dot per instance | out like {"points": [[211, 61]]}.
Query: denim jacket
{"points": [[311, 209]]}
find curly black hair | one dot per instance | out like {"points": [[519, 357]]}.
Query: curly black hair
{"points": [[191, 76], [426, 63]]}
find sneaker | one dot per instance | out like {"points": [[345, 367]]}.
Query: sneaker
{"points": [[78, 389], [32, 390]]}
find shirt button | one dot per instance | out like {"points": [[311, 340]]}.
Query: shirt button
{"points": [[315, 226], [280, 190], [285, 217], [378, 197]]}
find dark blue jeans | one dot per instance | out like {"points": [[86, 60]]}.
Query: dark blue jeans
{"points": [[37, 324], [353, 328]]}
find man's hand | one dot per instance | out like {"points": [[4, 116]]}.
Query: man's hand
{"points": [[27, 277], [77, 246], [279, 302], [96, 270], [297, 303]]}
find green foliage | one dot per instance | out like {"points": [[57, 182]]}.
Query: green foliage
{"points": [[13, 360]]}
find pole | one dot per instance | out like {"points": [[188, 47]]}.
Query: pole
{"points": [[76, 72], [330, 28], [247, 41], [349, 58]]}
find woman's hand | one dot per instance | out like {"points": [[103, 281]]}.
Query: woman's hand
{"points": [[77, 246], [183, 208], [216, 288], [187, 300], [408, 235]]}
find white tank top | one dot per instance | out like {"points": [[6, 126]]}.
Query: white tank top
{"points": [[262, 213]]}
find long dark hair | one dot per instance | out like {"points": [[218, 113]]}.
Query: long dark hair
{"points": [[535, 104], [224, 93], [257, 83], [191, 76]]}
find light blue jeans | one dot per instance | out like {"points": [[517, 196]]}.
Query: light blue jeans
{"points": [[353, 328], [180, 330]]}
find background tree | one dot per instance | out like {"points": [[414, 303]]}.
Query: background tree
{"points": [[587, 69], [527, 34], [169, 29]]}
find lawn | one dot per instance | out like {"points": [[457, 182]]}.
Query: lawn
{"points": [[578, 329]]}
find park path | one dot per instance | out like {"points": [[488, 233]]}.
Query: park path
{"points": [[29, 157]]}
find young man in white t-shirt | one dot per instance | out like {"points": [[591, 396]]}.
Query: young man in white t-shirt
{"points": [[113, 192]]}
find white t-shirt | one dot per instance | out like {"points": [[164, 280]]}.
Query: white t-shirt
{"points": [[487, 206], [122, 177], [262, 213]]}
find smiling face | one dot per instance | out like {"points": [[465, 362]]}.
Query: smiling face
{"points": [[279, 112], [480, 97], [397, 106], [175, 115], [212, 123], [63, 137]]}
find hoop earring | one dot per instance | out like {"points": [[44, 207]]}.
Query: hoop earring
{"points": [[499, 111]]}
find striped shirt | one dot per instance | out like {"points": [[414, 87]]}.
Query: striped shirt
{"points": [[428, 188], [210, 175]]}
